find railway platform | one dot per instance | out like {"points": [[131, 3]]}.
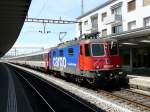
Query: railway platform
{"points": [[139, 82]]}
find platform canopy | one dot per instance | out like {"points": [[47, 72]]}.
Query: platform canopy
{"points": [[135, 38], [12, 17]]}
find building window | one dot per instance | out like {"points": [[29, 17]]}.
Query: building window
{"points": [[117, 29], [94, 21], [104, 32], [131, 5], [132, 25], [85, 23], [80, 28], [104, 15], [117, 11], [147, 21], [146, 2]]}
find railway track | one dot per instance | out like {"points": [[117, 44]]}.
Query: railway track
{"points": [[133, 100], [127, 98], [52, 97]]}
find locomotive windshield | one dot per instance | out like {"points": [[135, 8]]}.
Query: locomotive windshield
{"points": [[98, 49], [113, 48]]}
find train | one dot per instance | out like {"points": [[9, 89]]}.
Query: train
{"points": [[95, 61]]}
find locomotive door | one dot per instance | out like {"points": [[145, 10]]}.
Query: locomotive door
{"points": [[46, 59], [81, 58]]}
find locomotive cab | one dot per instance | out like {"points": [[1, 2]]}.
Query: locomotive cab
{"points": [[99, 55], [105, 56], [99, 59]]}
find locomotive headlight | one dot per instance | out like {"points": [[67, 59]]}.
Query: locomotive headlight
{"points": [[97, 67], [120, 73], [98, 74], [111, 75], [117, 66]]}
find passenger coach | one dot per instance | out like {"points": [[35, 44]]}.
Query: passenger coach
{"points": [[38, 60]]}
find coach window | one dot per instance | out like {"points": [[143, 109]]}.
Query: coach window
{"points": [[28, 58], [37, 57], [40, 57], [70, 51], [61, 53], [34, 58], [31, 58], [87, 50]]}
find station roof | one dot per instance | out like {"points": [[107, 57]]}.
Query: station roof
{"points": [[12, 17], [139, 37]]}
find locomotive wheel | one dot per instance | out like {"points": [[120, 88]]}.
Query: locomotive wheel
{"points": [[91, 81], [56, 74], [96, 82], [79, 79]]}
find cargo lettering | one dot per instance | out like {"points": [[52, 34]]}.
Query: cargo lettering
{"points": [[59, 62]]}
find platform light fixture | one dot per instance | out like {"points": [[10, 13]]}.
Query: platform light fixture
{"points": [[126, 43], [145, 41]]}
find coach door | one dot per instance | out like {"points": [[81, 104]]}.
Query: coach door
{"points": [[81, 58]]}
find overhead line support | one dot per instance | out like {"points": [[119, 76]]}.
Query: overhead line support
{"points": [[51, 21]]}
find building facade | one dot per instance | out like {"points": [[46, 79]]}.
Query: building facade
{"points": [[126, 20]]}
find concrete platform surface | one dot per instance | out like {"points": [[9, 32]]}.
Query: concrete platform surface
{"points": [[139, 82]]}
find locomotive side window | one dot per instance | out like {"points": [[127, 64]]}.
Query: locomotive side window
{"points": [[97, 49], [70, 51], [87, 50], [113, 48], [61, 53], [80, 50], [54, 53]]}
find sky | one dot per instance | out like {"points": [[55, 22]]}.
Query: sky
{"points": [[52, 9]]}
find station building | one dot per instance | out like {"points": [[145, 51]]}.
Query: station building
{"points": [[128, 21]]}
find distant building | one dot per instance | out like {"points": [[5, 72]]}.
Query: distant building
{"points": [[126, 20]]}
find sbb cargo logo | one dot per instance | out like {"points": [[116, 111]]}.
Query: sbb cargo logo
{"points": [[59, 62]]}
